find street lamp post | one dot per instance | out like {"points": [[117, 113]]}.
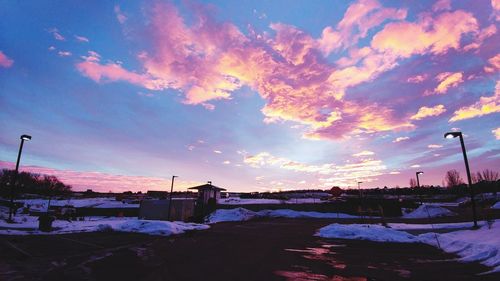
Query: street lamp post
{"points": [[418, 185], [11, 209], [171, 193], [418, 182], [451, 135], [359, 188]]}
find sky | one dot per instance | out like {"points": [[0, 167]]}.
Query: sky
{"points": [[251, 95]]}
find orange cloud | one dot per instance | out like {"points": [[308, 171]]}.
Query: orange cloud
{"points": [[485, 105], [424, 112], [5, 61], [448, 80]]}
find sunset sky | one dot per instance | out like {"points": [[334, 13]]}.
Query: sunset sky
{"points": [[252, 95]]}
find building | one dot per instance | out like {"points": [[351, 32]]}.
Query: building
{"points": [[208, 191]]}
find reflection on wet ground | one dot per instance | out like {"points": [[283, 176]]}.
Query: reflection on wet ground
{"points": [[326, 254]]}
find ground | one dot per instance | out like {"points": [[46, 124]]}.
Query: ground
{"points": [[263, 249]]}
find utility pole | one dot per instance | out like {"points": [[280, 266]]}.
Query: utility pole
{"points": [[171, 193]]}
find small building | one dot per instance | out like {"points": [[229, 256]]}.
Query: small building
{"points": [[181, 209], [208, 191]]}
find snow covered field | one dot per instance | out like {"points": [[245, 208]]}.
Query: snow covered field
{"points": [[241, 201], [242, 214], [27, 225], [482, 245]]}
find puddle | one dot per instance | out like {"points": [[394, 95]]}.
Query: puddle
{"points": [[403, 273], [309, 276]]}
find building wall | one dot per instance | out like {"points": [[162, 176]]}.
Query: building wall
{"points": [[182, 210]]}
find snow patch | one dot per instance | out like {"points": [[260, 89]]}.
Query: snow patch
{"points": [[496, 205], [151, 227], [426, 211], [365, 232], [481, 245], [242, 214], [237, 214]]}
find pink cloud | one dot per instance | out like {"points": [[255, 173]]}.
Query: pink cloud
{"points": [[103, 182], [495, 4], [425, 112], [81, 39], [435, 35], [493, 64], [56, 34], [64, 53], [485, 106], [360, 17], [441, 5], [5, 61], [115, 72], [417, 78], [120, 16], [208, 60]]}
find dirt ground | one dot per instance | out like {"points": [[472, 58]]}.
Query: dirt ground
{"points": [[267, 249]]}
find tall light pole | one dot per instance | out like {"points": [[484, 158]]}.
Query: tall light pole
{"points": [[359, 188], [418, 185], [11, 209], [418, 182], [451, 135], [171, 193]]}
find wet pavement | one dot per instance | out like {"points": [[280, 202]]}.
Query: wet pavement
{"points": [[268, 249]]}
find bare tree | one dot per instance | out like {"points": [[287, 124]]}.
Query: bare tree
{"points": [[452, 178], [486, 175], [413, 183]]}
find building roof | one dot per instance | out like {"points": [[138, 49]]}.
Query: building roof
{"points": [[207, 186]]}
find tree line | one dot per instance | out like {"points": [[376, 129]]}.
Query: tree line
{"points": [[31, 183]]}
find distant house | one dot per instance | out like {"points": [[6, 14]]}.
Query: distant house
{"points": [[157, 194], [208, 191]]}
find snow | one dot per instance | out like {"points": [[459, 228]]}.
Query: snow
{"points": [[365, 232], [244, 201], [426, 211], [496, 205], [101, 202], [237, 214], [482, 245], [407, 226], [151, 227], [242, 214]]}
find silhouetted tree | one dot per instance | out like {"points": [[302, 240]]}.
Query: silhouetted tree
{"points": [[452, 178], [32, 183], [486, 175], [413, 183]]}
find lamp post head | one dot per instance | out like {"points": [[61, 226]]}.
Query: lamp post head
{"points": [[420, 172], [26, 137], [451, 135], [360, 182]]}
